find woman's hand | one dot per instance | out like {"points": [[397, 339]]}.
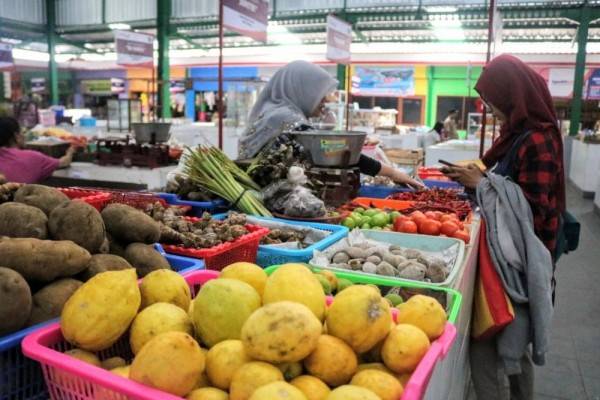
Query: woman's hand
{"points": [[468, 176], [405, 179]]}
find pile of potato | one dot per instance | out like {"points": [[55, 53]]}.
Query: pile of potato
{"points": [[50, 245]]}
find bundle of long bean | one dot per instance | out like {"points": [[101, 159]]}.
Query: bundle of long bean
{"points": [[212, 170]]}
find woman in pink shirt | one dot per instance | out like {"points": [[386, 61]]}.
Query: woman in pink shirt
{"points": [[25, 166]]}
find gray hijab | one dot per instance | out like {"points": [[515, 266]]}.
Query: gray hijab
{"points": [[289, 98]]}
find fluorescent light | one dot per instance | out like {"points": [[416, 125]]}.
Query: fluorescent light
{"points": [[29, 55], [119, 26], [448, 30], [279, 34], [88, 46], [10, 40], [441, 9]]}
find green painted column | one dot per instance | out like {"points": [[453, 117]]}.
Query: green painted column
{"points": [[163, 17], [582, 37], [52, 66], [429, 116], [341, 76]]}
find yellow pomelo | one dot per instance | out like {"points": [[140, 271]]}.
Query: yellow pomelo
{"points": [[351, 392], [85, 356], [404, 348], [223, 360], [171, 362], [250, 377], [165, 286], [333, 281], [332, 361], [281, 332], [381, 383], [278, 391], [207, 393], [247, 272], [121, 371], [100, 311], [295, 282], [312, 387], [360, 317], [113, 362], [221, 308], [425, 313], [290, 370], [156, 319]]}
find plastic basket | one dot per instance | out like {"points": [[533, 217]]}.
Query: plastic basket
{"points": [[271, 255], [417, 385], [69, 378], [96, 199], [396, 205], [379, 191], [22, 378], [244, 248], [197, 207]]}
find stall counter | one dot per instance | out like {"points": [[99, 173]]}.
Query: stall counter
{"points": [[585, 163], [151, 179]]}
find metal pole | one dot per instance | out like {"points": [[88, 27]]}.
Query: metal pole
{"points": [[348, 93], [164, 95], [487, 60], [52, 66], [582, 36], [220, 97]]}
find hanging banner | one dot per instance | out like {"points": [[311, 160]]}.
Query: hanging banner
{"points": [[117, 85], [383, 81], [593, 88], [560, 82], [134, 48], [6, 56], [247, 17], [177, 86], [339, 40], [38, 85]]}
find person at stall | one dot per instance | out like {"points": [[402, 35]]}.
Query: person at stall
{"points": [[450, 125], [25, 166], [529, 151], [293, 95]]}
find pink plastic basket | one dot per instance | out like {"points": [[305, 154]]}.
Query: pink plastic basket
{"points": [[70, 379]]}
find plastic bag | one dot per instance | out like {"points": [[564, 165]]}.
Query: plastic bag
{"points": [[290, 197]]}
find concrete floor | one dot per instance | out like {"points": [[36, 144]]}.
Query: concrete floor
{"points": [[572, 370]]}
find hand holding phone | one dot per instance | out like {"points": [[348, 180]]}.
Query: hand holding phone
{"points": [[448, 164]]}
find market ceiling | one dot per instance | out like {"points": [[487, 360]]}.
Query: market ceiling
{"points": [[534, 21]]}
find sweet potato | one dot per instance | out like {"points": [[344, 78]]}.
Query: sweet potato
{"points": [[15, 301], [145, 258], [79, 222], [22, 221], [43, 260], [129, 225], [49, 301], [43, 197], [102, 263]]}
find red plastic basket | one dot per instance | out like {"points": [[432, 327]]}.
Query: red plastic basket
{"points": [[96, 199], [218, 257], [432, 174]]}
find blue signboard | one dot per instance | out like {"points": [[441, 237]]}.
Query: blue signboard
{"points": [[593, 89], [383, 81]]}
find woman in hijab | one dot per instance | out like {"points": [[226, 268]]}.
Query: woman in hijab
{"points": [[530, 151], [294, 94]]}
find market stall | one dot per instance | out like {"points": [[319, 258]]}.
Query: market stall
{"points": [[585, 163]]}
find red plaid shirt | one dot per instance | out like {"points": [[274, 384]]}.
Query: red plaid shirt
{"points": [[537, 168]]}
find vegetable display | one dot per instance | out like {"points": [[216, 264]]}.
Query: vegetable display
{"points": [[210, 168], [273, 163], [266, 337]]}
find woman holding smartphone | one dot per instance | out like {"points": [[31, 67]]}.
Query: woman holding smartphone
{"points": [[530, 152]]}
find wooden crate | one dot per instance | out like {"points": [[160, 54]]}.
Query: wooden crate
{"points": [[406, 158]]}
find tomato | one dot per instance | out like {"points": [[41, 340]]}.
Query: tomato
{"points": [[408, 226], [430, 227], [430, 215], [462, 235], [438, 215], [417, 214], [448, 228]]}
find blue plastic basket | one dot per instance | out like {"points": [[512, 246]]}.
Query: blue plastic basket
{"points": [[270, 255], [198, 207], [432, 183], [22, 378], [379, 191]]}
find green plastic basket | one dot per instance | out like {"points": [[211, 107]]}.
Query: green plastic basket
{"points": [[453, 297]]}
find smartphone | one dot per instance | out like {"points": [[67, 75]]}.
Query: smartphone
{"points": [[449, 164]]}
